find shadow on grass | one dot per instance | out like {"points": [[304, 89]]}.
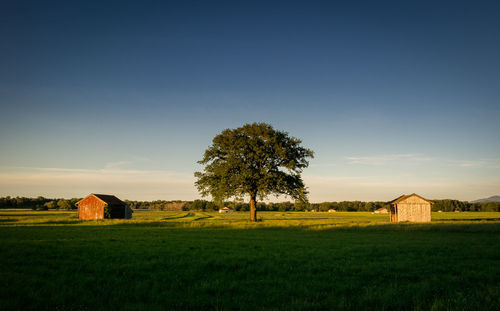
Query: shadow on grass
{"points": [[7, 220], [179, 217], [468, 219], [415, 227], [34, 214], [312, 218], [490, 227], [204, 217], [61, 222]]}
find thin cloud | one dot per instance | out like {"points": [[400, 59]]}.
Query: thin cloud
{"points": [[471, 163], [480, 163], [117, 164], [381, 160], [368, 188], [96, 173], [70, 182], [158, 184], [122, 163]]}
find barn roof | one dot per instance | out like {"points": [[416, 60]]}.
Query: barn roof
{"points": [[110, 199], [106, 198], [406, 196]]}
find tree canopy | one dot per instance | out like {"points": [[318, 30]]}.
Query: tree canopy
{"points": [[254, 160]]}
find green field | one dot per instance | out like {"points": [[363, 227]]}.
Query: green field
{"points": [[288, 261]]}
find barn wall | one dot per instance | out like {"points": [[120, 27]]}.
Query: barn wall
{"points": [[118, 211], [394, 215], [91, 208], [128, 212], [414, 209]]}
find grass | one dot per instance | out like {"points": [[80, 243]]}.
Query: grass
{"points": [[289, 261]]}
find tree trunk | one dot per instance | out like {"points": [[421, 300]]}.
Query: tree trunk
{"points": [[253, 208]]}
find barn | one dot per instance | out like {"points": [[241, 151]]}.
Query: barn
{"points": [[410, 207], [381, 211], [101, 206]]}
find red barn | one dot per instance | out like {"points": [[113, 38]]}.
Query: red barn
{"points": [[101, 206]]}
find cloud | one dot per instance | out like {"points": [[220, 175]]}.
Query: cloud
{"points": [[381, 160], [371, 188], [407, 159], [479, 163], [117, 164], [169, 185], [69, 182], [122, 163], [471, 163]]}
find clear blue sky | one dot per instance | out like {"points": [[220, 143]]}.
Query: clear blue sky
{"points": [[123, 97]]}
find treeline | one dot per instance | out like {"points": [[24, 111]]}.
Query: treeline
{"points": [[204, 205], [344, 206], [38, 203], [462, 206], [162, 205], [41, 203]]}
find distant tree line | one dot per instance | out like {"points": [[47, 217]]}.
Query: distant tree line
{"points": [[462, 206], [162, 205], [344, 206], [41, 203], [204, 205], [38, 203]]}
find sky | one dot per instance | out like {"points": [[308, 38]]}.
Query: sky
{"points": [[123, 97]]}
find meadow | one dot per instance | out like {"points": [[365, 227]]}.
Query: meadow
{"points": [[210, 261]]}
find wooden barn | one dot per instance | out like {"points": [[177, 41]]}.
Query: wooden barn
{"points": [[381, 211], [101, 206], [412, 208], [225, 210]]}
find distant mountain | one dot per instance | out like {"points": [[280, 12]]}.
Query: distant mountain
{"points": [[495, 198]]}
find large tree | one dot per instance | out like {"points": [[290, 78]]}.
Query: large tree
{"points": [[254, 160]]}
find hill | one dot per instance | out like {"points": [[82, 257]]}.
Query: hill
{"points": [[495, 198]]}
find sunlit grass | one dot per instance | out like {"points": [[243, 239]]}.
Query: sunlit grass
{"points": [[197, 219]]}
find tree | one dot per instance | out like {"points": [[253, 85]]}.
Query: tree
{"points": [[50, 205], [63, 204], [254, 160]]}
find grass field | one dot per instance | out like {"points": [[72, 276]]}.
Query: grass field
{"points": [[288, 261]]}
